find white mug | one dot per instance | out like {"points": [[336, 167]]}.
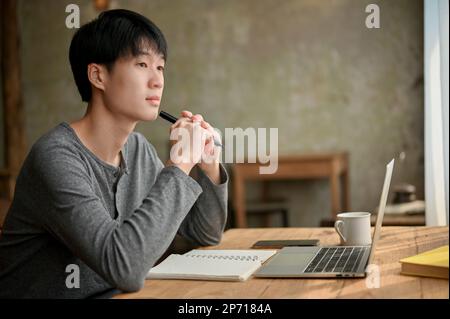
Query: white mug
{"points": [[354, 228]]}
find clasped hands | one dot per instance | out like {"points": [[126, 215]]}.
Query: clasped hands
{"points": [[192, 142]]}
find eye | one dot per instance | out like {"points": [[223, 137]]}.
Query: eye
{"points": [[142, 64], [160, 68]]}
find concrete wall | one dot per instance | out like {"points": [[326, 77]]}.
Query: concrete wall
{"points": [[310, 68]]}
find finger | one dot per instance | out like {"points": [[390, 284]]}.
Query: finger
{"points": [[197, 117], [205, 125], [216, 134], [180, 122], [208, 126], [186, 113], [211, 129], [205, 137], [200, 133], [209, 148], [176, 124], [197, 130], [208, 133]]}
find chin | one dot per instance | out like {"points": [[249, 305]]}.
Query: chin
{"points": [[146, 113], [150, 116]]}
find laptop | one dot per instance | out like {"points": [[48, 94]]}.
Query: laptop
{"points": [[328, 261]]}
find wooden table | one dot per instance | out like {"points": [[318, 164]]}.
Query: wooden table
{"points": [[394, 244], [331, 166]]}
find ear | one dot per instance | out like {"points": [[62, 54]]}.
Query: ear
{"points": [[97, 75]]}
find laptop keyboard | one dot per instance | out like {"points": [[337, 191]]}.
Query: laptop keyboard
{"points": [[336, 259]]}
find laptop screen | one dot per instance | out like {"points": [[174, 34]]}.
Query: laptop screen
{"points": [[381, 207]]}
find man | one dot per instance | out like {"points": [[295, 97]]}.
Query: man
{"points": [[93, 195]]}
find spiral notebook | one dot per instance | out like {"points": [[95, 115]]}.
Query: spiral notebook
{"points": [[226, 265]]}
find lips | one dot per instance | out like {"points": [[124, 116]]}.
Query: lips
{"points": [[153, 98]]}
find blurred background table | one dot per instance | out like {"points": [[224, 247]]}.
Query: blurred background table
{"points": [[333, 166]]}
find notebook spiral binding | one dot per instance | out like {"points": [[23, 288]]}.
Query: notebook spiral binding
{"points": [[225, 257]]}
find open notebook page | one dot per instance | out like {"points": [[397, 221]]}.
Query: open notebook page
{"points": [[228, 265]]}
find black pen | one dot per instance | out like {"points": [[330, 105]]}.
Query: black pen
{"points": [[172, 119]]}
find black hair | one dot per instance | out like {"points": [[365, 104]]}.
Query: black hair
{"points": [[114, 34]]}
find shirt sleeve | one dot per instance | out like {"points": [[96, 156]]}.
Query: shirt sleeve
{"points": [[205, 222], [121, 253], [207, 218]]}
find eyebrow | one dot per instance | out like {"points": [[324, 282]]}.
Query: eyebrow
{"points": [[145, 53]]}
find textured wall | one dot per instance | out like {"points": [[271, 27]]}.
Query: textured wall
{"points": [[310, 68]]}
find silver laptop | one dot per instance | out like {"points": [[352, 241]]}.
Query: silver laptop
{"points": [[330, 261]]}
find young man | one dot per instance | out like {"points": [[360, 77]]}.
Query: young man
{"points": [[93, 195]]}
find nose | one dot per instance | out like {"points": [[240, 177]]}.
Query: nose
{"points": [[156, 81]]}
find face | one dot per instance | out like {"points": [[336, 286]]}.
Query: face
{"points": [[134, 86]]}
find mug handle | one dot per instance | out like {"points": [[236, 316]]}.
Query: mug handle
{"points": [[338, 225]]}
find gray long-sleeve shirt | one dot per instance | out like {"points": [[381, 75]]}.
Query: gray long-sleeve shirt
{"points": [[71, 208]]}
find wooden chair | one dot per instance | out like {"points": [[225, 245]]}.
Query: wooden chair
{"points": [[265, 208], [331, 166], [268, 208]]}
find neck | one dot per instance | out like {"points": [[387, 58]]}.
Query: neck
{"points": [[102, 132]]}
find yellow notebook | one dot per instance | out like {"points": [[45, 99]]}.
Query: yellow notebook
{"points": [[433, 263]]}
